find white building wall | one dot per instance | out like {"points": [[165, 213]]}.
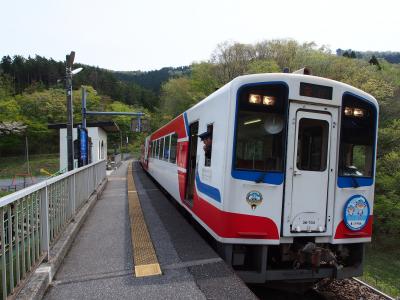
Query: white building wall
{"points": [[99, 145]]}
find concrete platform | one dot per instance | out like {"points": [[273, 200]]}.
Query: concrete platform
{"points": [[100, 263]]}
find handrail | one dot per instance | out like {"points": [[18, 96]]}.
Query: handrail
{"points": [[33, 188], [32, 219]]}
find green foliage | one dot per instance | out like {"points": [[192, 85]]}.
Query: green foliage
{"points": [[382, 266], [392, 57], [389, 138], [263, 66], [4, 193], [19, 75], [151, 80], [5, 86], [177, 95], [9, 110], [43, 106], [9, 166], [232, 60], [204, 79]]}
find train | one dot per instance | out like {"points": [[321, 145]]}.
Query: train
{"points": [[279, 168]]}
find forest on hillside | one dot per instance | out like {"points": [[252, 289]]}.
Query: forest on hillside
{"points": [[32, 93]]}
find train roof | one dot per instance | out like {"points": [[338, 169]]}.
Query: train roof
{"points": [[287, 78]]}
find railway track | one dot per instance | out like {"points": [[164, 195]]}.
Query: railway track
{"points": [[345, 289], [349, 289]]}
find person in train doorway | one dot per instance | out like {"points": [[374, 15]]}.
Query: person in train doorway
{"points": [[206, 138]]}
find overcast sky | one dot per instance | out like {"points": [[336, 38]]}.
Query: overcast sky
{"points": [[151, 34]]}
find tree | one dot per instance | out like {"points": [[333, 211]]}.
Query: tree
{"points": [[374, 61], [232, 60], [263, 66], [204, 79], [177, 95], [6, 88]]}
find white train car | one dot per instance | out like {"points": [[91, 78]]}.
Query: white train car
{"points": [[287, 187]]}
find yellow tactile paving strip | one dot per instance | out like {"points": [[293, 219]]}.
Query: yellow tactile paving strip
{"points": [[144, 255]]}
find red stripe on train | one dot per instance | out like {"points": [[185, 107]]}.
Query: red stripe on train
{"points": [[342, 232], [234, 225], [177, 125]]}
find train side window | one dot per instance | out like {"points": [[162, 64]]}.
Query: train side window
{"points": [[161, 154], [152, 149], [174, 142], [157, 148], [166, 148], [208, 146]]}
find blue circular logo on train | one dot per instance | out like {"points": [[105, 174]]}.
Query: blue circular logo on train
{"points": [[254, 198], [356, 212]]}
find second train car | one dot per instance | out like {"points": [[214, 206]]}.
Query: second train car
{"points": [[279, 169]]}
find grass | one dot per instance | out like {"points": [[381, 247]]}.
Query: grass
{"points": [[382, 266], [4, 193], [9, 166]]}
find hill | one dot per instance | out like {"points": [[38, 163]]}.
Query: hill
{"points": [[24, 75], [389, 56], [151, 80]]}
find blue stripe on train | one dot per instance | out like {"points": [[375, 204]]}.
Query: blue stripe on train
{"points": [[267, 177], [186, 123], [348, 181], [208, 190]]}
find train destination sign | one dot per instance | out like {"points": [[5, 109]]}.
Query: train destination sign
{"points": [[316, 91]]}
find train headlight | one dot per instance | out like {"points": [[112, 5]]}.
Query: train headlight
{"points": [[358, 112], [354, 111], [348, 111], [268, 100], [254, 99]]}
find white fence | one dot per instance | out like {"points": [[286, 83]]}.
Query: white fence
{"points": [[32, 219]]}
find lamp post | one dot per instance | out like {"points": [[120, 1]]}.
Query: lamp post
{"points": [[70, 122]]}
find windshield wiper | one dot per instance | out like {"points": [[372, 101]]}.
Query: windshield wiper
{"points": [[354, 181], [261, 178]]}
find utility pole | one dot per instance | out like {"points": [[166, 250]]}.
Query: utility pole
{"points": [[69, 61], [70, 122]]}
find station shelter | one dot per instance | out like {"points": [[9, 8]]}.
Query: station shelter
{"points": [[97, 140]]}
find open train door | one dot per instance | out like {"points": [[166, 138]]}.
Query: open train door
{"points": [[192, 160], [309, 175]]}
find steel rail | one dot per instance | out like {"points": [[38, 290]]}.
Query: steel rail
{"points": [[374, 289]]}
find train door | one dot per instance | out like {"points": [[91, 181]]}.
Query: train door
{"points": [[308, 173], [147, 150], [192, 160]]}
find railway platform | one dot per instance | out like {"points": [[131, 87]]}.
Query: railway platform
{"points": [[100, 263]]}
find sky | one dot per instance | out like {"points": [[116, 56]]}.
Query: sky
{"points": [[150, 34]]}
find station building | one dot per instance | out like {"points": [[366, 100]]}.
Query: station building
{"points": [[97, 134]]}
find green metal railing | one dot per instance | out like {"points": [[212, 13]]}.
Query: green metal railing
{"points": [[32, 219]]}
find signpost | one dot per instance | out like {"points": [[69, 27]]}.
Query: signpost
{"points": [[83, 137]]}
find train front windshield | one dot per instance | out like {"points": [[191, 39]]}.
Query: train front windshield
{"points": [[260, 128], [358, 134]]}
